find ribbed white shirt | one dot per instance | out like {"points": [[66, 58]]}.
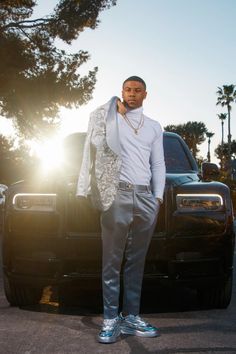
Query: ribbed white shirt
{"points": [[142, 154]]}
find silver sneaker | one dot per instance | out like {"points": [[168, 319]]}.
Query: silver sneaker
{"points": [[136, 326], [110, 330]]}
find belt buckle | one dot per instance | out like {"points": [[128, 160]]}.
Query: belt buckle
{"points": [[129, 185]]}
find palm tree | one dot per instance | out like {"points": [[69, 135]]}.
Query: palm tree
{"points": [[222, 117], [226, 96], [193, 134], [209, 136]]}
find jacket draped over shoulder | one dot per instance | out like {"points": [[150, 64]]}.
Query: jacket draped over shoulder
{"points": [[101, 162]]}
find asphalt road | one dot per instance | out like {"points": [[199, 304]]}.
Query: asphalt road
{"points": [[49, 329]]}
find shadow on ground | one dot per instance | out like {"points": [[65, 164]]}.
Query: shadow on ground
{"points": [[74, 301]]}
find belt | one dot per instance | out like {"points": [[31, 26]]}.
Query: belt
{"points": [[137, 187]]}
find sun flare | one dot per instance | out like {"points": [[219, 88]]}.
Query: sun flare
{"points": [[49, 152]]}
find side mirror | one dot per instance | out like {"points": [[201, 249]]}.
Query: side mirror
{"points": [[210, 171]]}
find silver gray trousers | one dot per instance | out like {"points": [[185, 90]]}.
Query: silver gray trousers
{"points": [[127, 228]]}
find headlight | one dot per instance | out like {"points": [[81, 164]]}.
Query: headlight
{"points": [[34, 202], [199, 202]]}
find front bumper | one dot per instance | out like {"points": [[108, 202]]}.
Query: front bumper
{"points": [[194, 261]]}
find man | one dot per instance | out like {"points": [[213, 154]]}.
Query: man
{"points": [[129, 153]]}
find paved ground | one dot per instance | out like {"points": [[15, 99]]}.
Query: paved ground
{"points": [[49, 329]]}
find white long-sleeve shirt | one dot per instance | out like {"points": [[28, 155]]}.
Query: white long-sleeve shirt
{"points": [[142, 154]]}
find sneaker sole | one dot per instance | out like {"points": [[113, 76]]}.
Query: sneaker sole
{"points": [[137, 333], [107, 340]]}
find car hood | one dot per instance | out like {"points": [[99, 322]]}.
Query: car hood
{"points": [[177, 179], [52, 183]]}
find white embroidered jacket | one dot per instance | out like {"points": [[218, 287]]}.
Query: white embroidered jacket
{"points": [[101, 163]]}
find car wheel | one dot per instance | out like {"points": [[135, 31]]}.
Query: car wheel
{"points": [[216, 297], [20, 295]]}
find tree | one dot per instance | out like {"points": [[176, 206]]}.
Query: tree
{"points": [[222, 153], [226, 96], [16, 162], [222, 117], [193, 134], [178, 129], [36, 77], [225, 149], [209, 135]]}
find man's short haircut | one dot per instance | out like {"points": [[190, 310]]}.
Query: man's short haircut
{"points": [[135, 78]]}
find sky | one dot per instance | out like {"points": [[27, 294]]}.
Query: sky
{"points": [[183, 49]]}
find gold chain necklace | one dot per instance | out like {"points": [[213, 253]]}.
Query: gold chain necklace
{"points": [[140, 124]]}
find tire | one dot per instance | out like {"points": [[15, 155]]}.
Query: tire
{"points": [[20, 295], [216, 297]]}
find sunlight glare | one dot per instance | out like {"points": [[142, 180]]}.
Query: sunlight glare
{"points": [[50, 153]]}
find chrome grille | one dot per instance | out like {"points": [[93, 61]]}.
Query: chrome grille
{"points": [[81, 217]]}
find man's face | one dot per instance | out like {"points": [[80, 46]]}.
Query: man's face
{"points": [[133, 94]]}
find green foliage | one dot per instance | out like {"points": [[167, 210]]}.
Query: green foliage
{"points": [[193, 134], [222, 116], [222, 151], [16, 162], [36, 77], [209, 135], [226, 95]]}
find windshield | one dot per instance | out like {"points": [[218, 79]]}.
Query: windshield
{"points": [[176, 158]]}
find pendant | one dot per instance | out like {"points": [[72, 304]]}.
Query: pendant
{"points": [[136, 131]]}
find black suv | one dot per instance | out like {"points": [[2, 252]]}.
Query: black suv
{"points": [[52, 238]]}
